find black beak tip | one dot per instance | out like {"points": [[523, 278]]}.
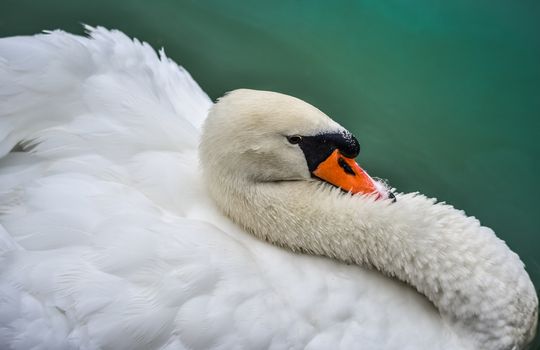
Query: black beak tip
{"points": [[392, 196]]}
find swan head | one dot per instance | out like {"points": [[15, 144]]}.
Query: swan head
{"points": [[262, 136]]}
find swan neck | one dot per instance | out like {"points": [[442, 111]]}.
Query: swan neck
{"points": [[434, 248]]}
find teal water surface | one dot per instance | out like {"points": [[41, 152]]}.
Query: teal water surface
{"points": [[444, 96]]}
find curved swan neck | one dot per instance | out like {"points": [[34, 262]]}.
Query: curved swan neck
{"points": [[470, 275]]}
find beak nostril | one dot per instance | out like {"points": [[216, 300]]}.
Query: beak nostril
{"points": [[346, 167], [346, 174]]}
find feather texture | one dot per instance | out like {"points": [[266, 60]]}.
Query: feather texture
{"points": [[108, 239]]}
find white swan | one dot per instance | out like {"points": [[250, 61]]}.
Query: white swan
{"points": [[110, 238]]}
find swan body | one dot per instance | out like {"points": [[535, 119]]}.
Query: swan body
{"points": [[118, 231]]}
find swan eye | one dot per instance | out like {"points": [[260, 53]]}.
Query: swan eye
{"points": [[294, 139]]}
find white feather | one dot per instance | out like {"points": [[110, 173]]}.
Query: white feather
{"points": [[109, 240]]}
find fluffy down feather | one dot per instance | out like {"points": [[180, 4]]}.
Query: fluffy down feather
{"points": [[108, 239]]}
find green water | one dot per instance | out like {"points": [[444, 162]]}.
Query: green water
{"points": [[444, 96]]}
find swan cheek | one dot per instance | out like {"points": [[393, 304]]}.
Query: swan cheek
{"points": [[346, 174]]}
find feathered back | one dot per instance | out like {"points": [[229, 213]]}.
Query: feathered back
{"points": [[108, 87]]}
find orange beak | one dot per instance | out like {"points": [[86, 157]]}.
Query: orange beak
{"points": [[346, 174]]}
